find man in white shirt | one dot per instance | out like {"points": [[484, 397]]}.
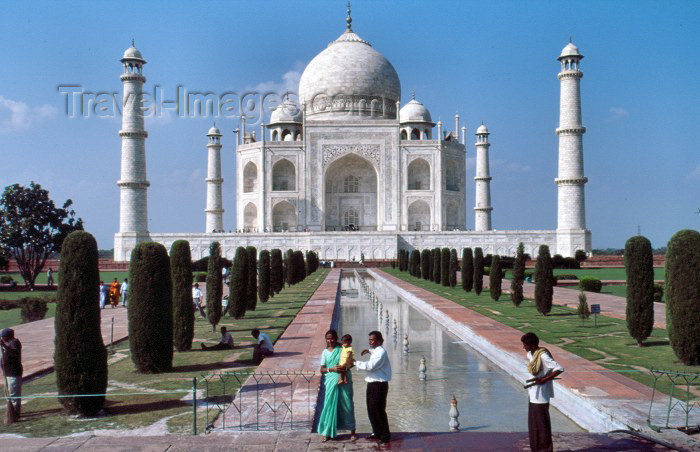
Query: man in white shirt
{"points": [[197, 300], [263, 347], [226, 342], [378, 370], [540, 388], [124, 289]]}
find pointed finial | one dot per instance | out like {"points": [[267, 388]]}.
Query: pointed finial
{"points": [[413, 95], [569, 39], [349, 19], [132, 42], [214, 123]]}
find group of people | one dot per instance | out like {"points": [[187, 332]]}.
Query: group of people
{"points": [[261, 347], [114, 293], [338, 411]]}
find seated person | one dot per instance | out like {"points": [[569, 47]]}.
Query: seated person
{"points": [[263, 347], [226, 342]]}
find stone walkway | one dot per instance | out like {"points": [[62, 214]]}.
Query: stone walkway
{"points": [[38, 340], [597, 399], [302, 441]]}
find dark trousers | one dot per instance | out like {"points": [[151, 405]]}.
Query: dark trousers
{"points": [[539, 427], [376, 408]]}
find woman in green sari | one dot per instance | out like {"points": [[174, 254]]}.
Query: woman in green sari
{"points": [[338, 410]]}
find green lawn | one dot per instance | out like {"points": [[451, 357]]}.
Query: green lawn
{"points": [[605, 273], [609, 344], [42, 279], [44, 416], [12, 317]]}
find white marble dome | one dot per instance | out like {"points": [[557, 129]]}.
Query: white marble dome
{"points": [[570, 50], [214, 131], [349, 77], [482, 130], [132, 53], [414, 111], [287, 111]]}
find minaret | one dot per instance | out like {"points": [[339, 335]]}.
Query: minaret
{"points": [[214, 210], [482, 210], [133, 185], [570, 182]]}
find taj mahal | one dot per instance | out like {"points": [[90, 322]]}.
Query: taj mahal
{"points": [[350, 170]]}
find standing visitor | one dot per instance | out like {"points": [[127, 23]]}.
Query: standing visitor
{"points": [[263, 347], [378, 376], [125, 291], [540, 388], [114, 293], [49, 277], [103, 294], [338, 411], [12, 371], [197, 300]]}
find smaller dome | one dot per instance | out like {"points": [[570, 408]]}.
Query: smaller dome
{"points": [[132, 53], [482, 130], [414, 111], [287, 111], [570, 50], [214, 131]]}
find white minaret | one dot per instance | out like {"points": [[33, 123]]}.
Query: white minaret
{"points": [[214, 210], [571, 215], [133, 185], [482, 209]]}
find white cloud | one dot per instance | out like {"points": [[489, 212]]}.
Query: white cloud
{"points": [[695, 174], [18, 116], [617, 113]]}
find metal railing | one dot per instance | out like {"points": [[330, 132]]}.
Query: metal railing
{"points": [[686, 380]]}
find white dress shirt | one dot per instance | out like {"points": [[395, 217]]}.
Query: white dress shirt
{"points": [[542, 393], [378, 367]]}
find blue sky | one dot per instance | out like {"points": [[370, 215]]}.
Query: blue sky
{"points": [[490, 61]]}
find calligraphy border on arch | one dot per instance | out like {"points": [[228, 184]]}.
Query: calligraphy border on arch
{"points": [[333, 151]]}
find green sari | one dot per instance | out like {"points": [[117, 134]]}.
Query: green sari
{"points": [[338, 411]]}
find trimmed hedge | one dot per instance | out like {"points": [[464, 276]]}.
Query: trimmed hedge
{"points": [[215, 285], [183, 314], [453, 267], [425, 264], [639, 267], [467, 269], [252, 287], [590, 284], [437, 259], [495, 278], [264, 276], [276, 271], [238, 292], [518, 279], [478, 270], [544, 281]]}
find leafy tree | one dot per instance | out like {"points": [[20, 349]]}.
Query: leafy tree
{"points": [[425, 264], [544, 281], [516, 283], [495, 278], [580, 255], [183, 314], [276, 271], [582, 309], [683, 295], [639, 266], [437, 259], [467, 269], [453, 267], [478, 270], [32, 227], [264, 276], [215, 285], [238, 293], [80, 357], [445, 266], [252, 286], [150, 308]]}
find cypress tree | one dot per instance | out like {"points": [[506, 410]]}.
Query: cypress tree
{"points": [[151, 309], [238, 293], [495, 277], [478, 270], [437, 258], [453, 267], [467, 269], [416, 264], [299, 267], [410, 262], [276, 271], [639, 266], [544, 281], [429, 276], [80, 357], [683, 295], [264, 276], [425, 264], [183, 314], [445, 266], [289, 270], [215, 285], [516, 284], [252, 287]]}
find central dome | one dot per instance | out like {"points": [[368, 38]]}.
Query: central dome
{"points": [[350, 78]]}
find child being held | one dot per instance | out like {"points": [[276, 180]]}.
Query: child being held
{"points": [[345, 355]]}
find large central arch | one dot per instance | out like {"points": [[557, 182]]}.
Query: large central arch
{"points": [[350, 186]]}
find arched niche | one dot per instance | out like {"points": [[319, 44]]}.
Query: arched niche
{"points": [[250, 178], [284, 177], [452, 216], [350, 182], [250, 217], [418, 175], [419, 216], [284, 217]]}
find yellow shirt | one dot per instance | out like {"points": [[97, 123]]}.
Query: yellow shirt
{"points": [[345, 353]]}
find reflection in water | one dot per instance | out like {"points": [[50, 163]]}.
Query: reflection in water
{"points": [[489, 399]]}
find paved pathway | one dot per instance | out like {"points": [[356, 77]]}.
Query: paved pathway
{"points": [[297, 350], [587, 386], [303, 441], [38, 340]]}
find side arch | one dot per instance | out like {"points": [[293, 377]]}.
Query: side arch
{"points": [[419, 216], [250, 178], [284, 177]]}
